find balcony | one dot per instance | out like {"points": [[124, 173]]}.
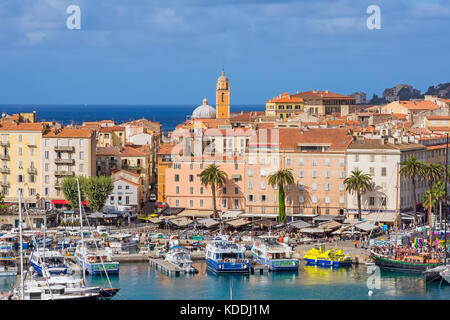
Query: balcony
{"points": [[64, 161], [5, 184], [32, 170], [5, 170], [4, 157], [64, 173], [4, 143], [65, 148], [32, 145]]}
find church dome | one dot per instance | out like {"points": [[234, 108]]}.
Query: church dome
{"points": [[204, 111], [222, 77]]}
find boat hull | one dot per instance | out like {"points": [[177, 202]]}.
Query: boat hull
{"points": [[278, 265], [395, 265], [50, 270], [226, 267], [97, 268], [328, 263]]}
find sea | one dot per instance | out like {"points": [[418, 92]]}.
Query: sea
{"points": [[168, 115], [140, 281]]}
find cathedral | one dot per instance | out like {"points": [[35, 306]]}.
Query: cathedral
{"points": [[222, 110]]}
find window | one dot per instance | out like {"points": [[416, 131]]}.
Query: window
{"points": [[262, 160], [356, 157], [46, 191], [314, 186], [275, 197], [341, 162], [288, 161], [191, 203], [47, 154], [46, 167], [327, 199], [327, 162], [177, 203], [383, 201], [327, 174], [32, 152], [81, 143], [191, 178], [224, 203], [236, 166], [275, 186], [119, 187], [314, 162], [250, 172], [47, 179], [191, 190], [250, 198], [250, 185], [20, 138], [263, 198], [300, 161], [81, 167], [201, 166], [372, 171], [300, 174], [191, 166], [314, 199], [177, 177], [342, 174], [314, 174], [341, 199], [327, 186], [201, 203], [236, 190], [263, 185], [31, 178], [384, 158], [177, 190], [372, 201], [301, 199], [47, 142], [372, 158], [201, 190], [20, 151], [81, 155], [224, 190], [301, 186], [263, 172], [383, 172], [236, 203], [341, 187], [111, 200], [20, 178]]}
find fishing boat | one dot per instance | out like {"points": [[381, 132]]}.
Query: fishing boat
{"points": [[180, 256], [8, 263], [48, 241], [413, 262], [225, 256], [266, 250], [95, 257], [318, 255], [54, 261]]}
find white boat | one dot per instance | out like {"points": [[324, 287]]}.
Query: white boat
{"points": [[266, 250], [445, 274], [123, 242], [180, 256], [225, 256], [97, 259], [54, 261]]}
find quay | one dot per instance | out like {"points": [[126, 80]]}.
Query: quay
{"points": [[166, 267], [256, 268]]}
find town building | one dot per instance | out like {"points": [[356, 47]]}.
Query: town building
{"points": [[326, 102], [111, 136], [284, 106]]}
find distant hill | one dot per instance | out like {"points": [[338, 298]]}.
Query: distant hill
{"points": [[442, 90]]}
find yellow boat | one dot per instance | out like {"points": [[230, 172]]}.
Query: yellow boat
{"points": [[328, 258]]}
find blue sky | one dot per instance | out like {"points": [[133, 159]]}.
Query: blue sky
{"points": [[172, 51]]}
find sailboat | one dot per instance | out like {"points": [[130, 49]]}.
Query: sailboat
{"points": [[404, 259]]}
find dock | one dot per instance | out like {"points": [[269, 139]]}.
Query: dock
{"points": [[166, 267], [256, 268]]}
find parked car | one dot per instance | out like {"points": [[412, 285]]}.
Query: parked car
{"points": [[153, 197]]}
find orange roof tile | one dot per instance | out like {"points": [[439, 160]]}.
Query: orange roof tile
{"points": [[419, 105], [111, 129], [438, 117], [313, 94], [68, 133], [22, 126]]}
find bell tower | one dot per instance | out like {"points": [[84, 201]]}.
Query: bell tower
{"points": [[223, 97]]}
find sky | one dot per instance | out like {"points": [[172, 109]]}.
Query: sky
{"points": [[172, 51]]}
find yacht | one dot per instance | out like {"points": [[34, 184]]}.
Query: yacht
{"points": [[97, 259], [226, 256], [123, 242], [266, 250], [8, 263], [54, 261], [180, 256]]}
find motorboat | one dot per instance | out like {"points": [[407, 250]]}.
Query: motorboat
{"points": [[180, 256], [95, 257], [318, 255], [54, 261], [8, 262], [277, 256], [226, 256], [123, 242]]}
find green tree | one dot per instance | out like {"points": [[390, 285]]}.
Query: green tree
{"points": [[358, 183], [70, 190], [412, 169], [439, 194], [431, 172], [426, 200], [213, 177], [97, 190], [281, 178], [3, 206]]}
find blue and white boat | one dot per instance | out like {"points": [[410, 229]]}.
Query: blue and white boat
{"points": [[266, 250], [225, 256], [54, 262], [48, 241], [97, 260]]}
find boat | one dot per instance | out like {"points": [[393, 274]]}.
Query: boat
{"points": [[54, 261], [180, 256], [122, 242], [277, 256], [8, 262], [318, 255], [225, 256], [95, 257], [417, 262], [445, 274], [48, 241]]}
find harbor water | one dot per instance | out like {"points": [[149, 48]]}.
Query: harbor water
{"points": [[139, 281]]}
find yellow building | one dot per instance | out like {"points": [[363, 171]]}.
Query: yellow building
{"points": [[223, 97], [111, 136], [164, 161], [283, 106], [437, 124], [20, 156]]}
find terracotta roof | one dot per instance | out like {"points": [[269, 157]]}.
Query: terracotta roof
{"points": [[285, 98], [111, 129], [438, 117], [108, 151], [419, 105], [166, 148], [115, 170], [68, 133], [127, 181], [22, 126], [313, 94], [377, 144], [443, 128], [132, 152]]}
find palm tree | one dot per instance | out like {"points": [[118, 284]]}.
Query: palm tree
{"points": [[358, 183], [432, 173], [412, 169], [214, 177], [426, 200], [280, 179], [439, 193]]}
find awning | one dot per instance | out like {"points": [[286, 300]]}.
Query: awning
{"points": [[313, 230], [155, 220], [84, 203], [328, 218], [181, 221], [238, 222], [235, 176], [208, 222], [196, 213], [265, 223], [231, 214], [330, 225], [366, 226], [259, 215], [381, 217], [351, 221], [300, 224], [96, 215], [171, 211]]}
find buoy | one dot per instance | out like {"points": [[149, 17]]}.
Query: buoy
{"points": [[370, 293]]}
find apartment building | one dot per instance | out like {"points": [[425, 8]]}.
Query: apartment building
{"points": [[284, 106], [65, 152], [326, 102], [111, 136], [127, 190], [107, 159], [21, 161], [137, 159]]}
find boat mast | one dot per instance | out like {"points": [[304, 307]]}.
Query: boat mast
{"points": [[445, 201], [21, 246], [81, 228], [429, 213], [396, 208]]}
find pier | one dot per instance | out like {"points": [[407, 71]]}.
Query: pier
{"points": [[166, 267], [256, 268]]}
